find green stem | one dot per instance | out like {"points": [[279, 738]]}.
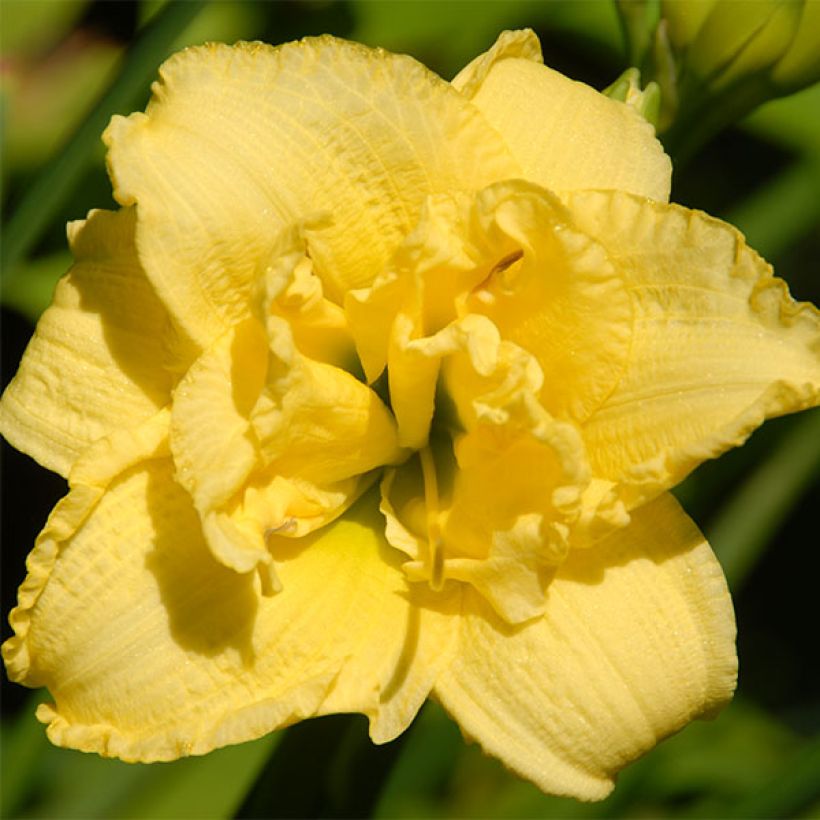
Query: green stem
{"points": [[43, 200]]}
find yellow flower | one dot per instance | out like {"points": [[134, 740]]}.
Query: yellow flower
{"points": [[372, 390]]}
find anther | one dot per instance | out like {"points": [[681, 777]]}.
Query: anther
{"points": [[268, 578], [505, 262], [480, 290]]}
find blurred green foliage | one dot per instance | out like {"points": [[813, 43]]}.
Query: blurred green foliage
{"points": [[67, 65]]}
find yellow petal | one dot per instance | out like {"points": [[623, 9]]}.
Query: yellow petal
{"points": [[213, 445], [434, 265], [637, 639], [497, 512], [504, 532], [560, 298], [238, 142], [717, 345], [318, 422], [565, 135], [152, 650], [291, 290], [96, 361], [267, 440], [511, 253]]}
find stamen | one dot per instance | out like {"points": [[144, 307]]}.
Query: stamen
{"points": [[434, 541], [480, 290], [287, 525], [266, 569], [506, 262], [268, 578]]}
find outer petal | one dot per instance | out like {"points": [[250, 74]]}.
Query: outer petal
{"points": [[565, 135], [95, 363], [637, 639], [152, 650], [239, 141], [717, 345]]}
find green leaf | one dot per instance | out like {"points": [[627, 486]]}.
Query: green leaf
{"points": [[751, 517], [638, 20], [796, 786], [783, 211]]}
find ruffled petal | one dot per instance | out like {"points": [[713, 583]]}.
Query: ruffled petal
{"points": [[559, 297], [96, 361], [718, 345], [493, 505], [268, 441], [510, 253], [637, 639], [238, 142], [565, 135], [289, 289], [152, 650]]}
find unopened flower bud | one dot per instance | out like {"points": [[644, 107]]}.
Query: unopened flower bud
{"points": [[627, 89]]}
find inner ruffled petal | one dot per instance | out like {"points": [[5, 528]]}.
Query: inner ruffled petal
{"points": [[511, 253], [500, 326], [271, 442], [491, 498]]}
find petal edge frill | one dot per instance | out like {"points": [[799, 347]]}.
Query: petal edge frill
{"points": [[637, 639], [718, 344], [384, 131], [152, 650]]}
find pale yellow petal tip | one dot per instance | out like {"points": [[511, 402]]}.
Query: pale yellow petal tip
{"points": [[15, 650], [523, 44], [119, 130], [192, 737], [553, 778]]}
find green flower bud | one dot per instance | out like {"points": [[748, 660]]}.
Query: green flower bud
{"points": [[740, 40], [684, 20], [800, 65], [627, 89], [716, 60]]}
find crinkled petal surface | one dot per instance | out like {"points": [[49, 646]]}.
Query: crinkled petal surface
{"points": [[238, 142], [564, 301], [96, 361], [718, 345], [565, 135], [152, 650], [637, 639]]}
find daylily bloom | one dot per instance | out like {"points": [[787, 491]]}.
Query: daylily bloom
{"points": [[373, 390]]}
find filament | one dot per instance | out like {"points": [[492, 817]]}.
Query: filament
{"points": [[435, 546]]}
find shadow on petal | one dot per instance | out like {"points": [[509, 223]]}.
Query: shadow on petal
{"points": [[210, 607], [108, 280], [651, 537]]}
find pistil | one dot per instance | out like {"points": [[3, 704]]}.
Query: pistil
{"points": [[435, 551]]}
